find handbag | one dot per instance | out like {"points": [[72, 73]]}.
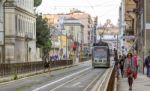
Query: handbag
{"points": [[134, 75], [129, 71]]}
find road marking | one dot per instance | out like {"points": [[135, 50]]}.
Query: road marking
{"points": [[66, 83], [99, 82], [91, 83], [105, 76], [76, 84], [60, 79]]}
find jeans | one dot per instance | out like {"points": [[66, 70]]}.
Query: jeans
{"points": [[148, 71]]}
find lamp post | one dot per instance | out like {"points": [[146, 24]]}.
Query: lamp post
{"points": [[66, 47]]}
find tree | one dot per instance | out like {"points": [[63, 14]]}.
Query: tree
{"points": [[43, 34], [37, 2]]}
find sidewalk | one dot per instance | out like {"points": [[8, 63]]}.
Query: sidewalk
{"points": [[142, 83]]}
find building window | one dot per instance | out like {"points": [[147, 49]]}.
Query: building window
{"points": [[34, 28], [19, 25], [1, 15], [16, 23], [88, 32], [23, 25]]}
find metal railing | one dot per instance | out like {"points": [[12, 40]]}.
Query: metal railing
{"points": [[19, 68]]}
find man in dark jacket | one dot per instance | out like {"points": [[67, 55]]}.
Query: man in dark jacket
{"points": [[147, 64]]}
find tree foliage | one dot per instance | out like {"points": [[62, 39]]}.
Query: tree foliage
{"points": [[37, 2], [42, 34]]}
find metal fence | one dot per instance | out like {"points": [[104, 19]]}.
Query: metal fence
{"points": [[18, 68]]}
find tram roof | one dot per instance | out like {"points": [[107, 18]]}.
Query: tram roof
{"points": [[100, 43]]}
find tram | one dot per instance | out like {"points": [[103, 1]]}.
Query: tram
{"points": [[100, 55]]}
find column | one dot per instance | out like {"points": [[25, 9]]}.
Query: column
{"points": [[1, 31], [147, 26]]}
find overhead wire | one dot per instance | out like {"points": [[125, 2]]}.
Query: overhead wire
{"points": [[81, 6], [103, 4]]}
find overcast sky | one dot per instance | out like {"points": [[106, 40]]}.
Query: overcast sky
{"points": [[104, 9]]}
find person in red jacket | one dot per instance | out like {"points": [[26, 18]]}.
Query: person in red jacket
{"points": [[130, 69], [135, 58]]}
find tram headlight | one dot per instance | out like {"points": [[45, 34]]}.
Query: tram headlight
{"points": [[104, 60], [95, 60]]}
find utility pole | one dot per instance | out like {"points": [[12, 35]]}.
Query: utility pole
{"points": [[117, 43], [61, 26], [77, 55], [66, 47], [94, 30]]}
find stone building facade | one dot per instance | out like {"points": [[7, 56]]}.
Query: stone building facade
{"points": [[1, 30], [20, 31], [84, 18]]}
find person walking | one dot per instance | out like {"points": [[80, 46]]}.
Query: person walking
{"points": [[121, 64], [47, 63], [147, 64], [116, 66], [129, 68], [135, 58]]}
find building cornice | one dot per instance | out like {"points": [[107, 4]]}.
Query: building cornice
{"points": [[21, 10], [18, 37], [25, 11]]}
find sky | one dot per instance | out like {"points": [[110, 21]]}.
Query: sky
{"points": [[104, 9]]}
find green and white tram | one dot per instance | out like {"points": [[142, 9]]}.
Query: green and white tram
{"points": [[100, 55]]}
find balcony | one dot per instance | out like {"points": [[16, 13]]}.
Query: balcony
{"points": [[129, 32], [28, 36], [136, 1]]}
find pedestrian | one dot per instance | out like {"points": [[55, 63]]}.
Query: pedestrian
{"points": [[135, 58], [47, 62], [129, 68], [121, 63], [116, 66], [147, 64]]}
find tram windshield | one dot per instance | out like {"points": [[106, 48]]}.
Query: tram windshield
{"points": [[100, 52]]}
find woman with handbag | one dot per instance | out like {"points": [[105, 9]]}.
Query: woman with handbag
{"points": [[130, 69]]}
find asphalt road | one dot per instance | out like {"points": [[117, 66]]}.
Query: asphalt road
{"points": [[78, 78]]}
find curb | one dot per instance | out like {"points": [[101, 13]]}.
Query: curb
{"points": [[21, 76], [115, 85]]}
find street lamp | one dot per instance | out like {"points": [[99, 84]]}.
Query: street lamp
{"points": [[66, 46]]}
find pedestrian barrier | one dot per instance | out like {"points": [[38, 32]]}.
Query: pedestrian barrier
{"points": [[7, 69], [106, 82]]}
